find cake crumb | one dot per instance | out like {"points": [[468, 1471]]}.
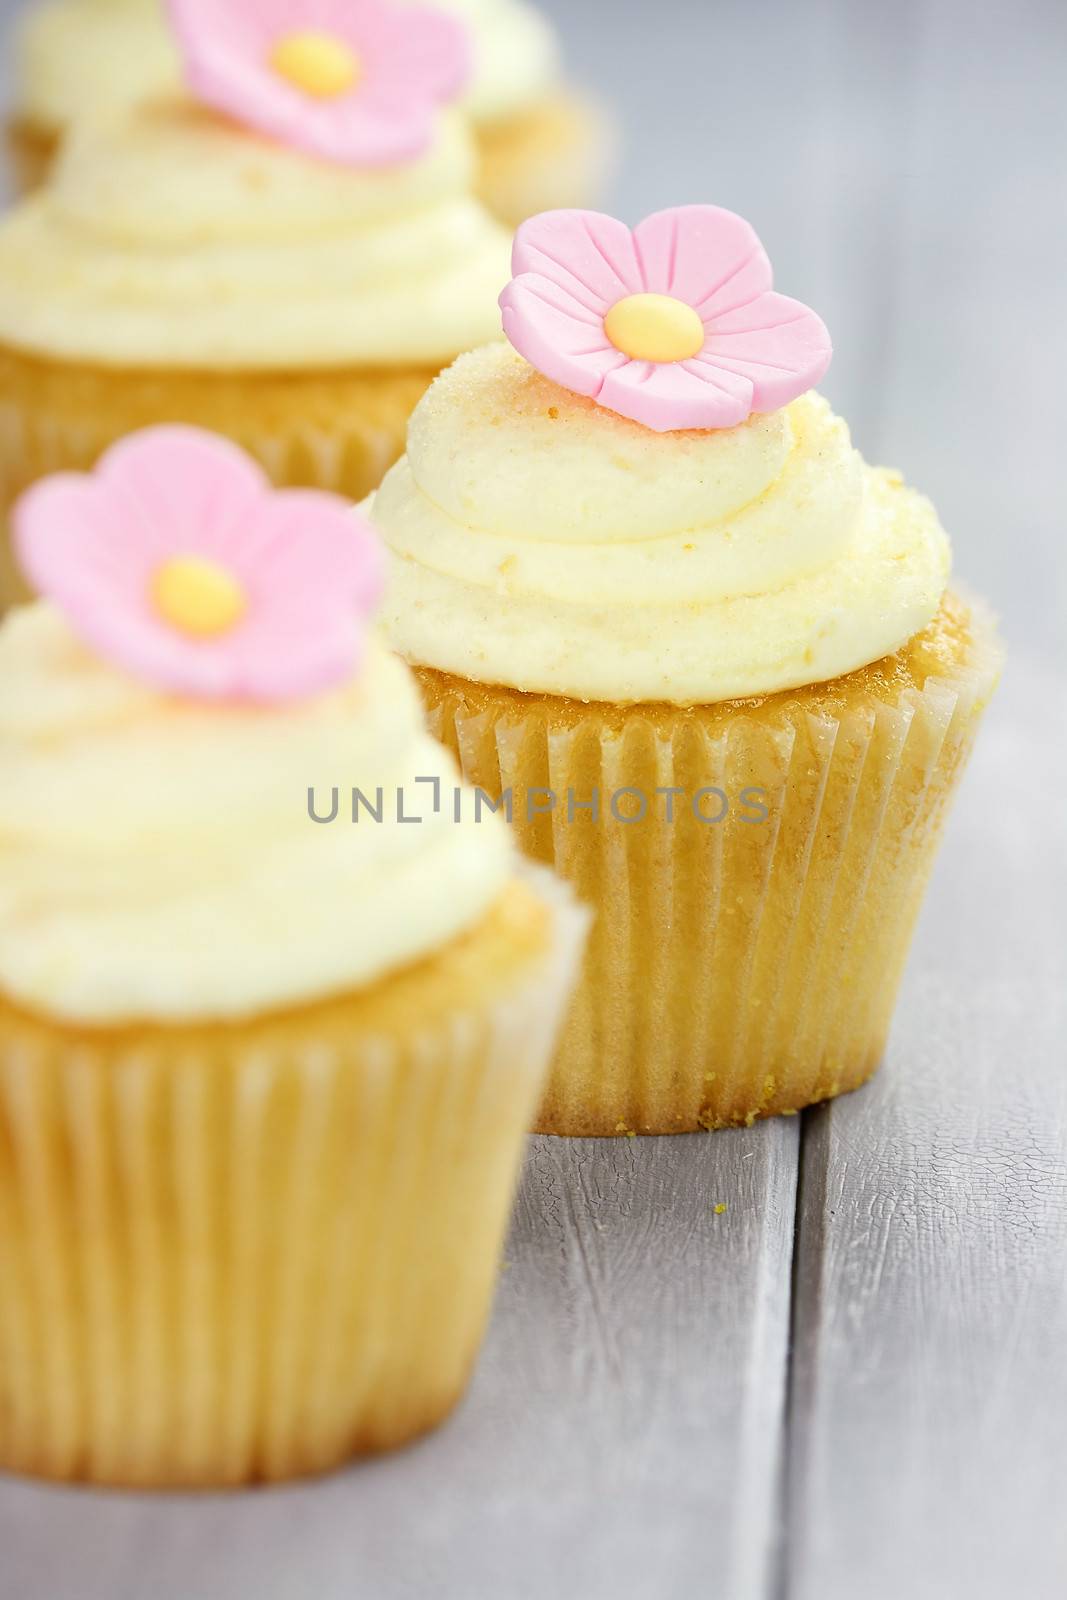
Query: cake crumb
{"points": [[627, 1133], [720, 1208]]}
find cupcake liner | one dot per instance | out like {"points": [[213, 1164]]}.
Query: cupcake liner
{"points": [[240, 1254], [738, 968], [31, 150], [554, 155], [339, 431]]}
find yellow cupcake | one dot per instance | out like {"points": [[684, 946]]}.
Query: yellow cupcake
{"points": [[75, 58], [181, 268], [540, 143], [265, 1070], [717, 680]]}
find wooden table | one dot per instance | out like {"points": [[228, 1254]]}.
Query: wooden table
{"points": [[852, 1381]]}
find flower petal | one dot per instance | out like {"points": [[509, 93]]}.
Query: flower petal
{"points": [[74, 542], [182, 490], [310, 566], [557, 334], [284, 655], [703, 255], [678, 394], [417, 49], [589, 255], [777, 343], [310, 543], [411, 61]]}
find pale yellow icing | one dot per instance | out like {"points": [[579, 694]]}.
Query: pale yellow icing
{"points": [[77, 57], [171, 237], [157, 857], [74, 57], [541, 542]]}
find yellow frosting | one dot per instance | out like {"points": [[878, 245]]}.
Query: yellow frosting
{"points": [[516, 57], [170, 237], [541, 542], [157, 857], [78, 57]]}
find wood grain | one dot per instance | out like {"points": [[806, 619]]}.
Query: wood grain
{"points": [[930, 1388]]}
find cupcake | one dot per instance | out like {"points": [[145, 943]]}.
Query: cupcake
{"points": [[540, 144], [706, 658], [276, 1003], [75, 58], [280, 259]]}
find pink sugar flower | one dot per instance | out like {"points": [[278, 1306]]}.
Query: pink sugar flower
{"points": [[177, 560], [674, 324], [358, 82]]}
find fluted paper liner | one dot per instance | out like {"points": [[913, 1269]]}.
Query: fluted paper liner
{"points": [[244, 1254], [31, 150], [742, 969], [340, 431]]}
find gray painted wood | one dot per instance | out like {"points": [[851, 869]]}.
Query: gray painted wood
{"points": [[622, 1435], [626, 1433], [928, 1453]]}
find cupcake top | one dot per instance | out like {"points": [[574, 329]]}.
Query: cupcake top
{"points": [[308, 206], [643, 501], [179, 719], [82, 57]]}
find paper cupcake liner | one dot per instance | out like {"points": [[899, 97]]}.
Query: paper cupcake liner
{"points": [[340, 431], [31, 151], [737, 969], [231, 1256], [554, 155]]}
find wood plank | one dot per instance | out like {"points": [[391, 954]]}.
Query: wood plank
{"points": [[929, 1392], [622, 1438], [930, 1385]]}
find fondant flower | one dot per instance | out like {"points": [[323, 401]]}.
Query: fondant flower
{"points": [[674, 324], [178, 561], [353, 81]]}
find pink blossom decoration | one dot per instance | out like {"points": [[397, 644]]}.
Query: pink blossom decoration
{"points": [[357, 82], [673, 324], [178, 561]]}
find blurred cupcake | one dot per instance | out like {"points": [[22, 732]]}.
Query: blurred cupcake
{"points": [[75, 58], [264, 1077], [705, 655], [540, 143], [287, 259]]}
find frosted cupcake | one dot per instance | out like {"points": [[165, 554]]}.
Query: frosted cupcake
{"points": [[264, 1076], [706, 656], [288, 258], [539, 143], [75, 58]]}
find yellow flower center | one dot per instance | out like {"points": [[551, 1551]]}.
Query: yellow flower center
{"points": [[318, 63], [198, 596], [655, 327]]}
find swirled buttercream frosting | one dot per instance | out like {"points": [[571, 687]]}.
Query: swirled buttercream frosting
{"points": [[171, 237], [160, 858], [542, 542]]}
